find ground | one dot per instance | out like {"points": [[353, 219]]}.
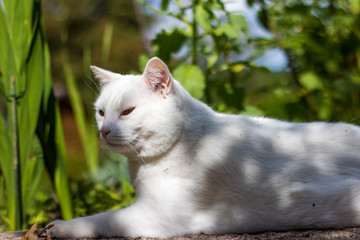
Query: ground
{"points": [[348, 233]]}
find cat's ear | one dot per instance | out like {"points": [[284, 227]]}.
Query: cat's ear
{"points": [[158, 76], [103, 75]]}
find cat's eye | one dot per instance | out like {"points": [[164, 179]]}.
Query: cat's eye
{"points": [[127, 111], [101, 112]]}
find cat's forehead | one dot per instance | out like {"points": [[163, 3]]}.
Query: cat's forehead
{"points": [[122, 82], [126, 89]]}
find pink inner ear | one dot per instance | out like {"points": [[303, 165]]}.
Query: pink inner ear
{"points": [[156, 78]]}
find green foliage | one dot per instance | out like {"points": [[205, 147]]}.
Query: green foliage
{"points": [[310, 81], [30, 138], [87, 134], [107, 39], [110, 190], [186, 74], [321, 40], [167, 43], [211, 38]]}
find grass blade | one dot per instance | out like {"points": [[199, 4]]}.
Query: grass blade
{"points": [[87, 136], [24, 55], [106, 46]]}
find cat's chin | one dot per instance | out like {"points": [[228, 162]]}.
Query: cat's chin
{"points": [[116, 147]]}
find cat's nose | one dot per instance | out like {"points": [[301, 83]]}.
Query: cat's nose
{"points": [[104, 132]]}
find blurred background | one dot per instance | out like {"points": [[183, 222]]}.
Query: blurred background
{"points": [[291, 60]]}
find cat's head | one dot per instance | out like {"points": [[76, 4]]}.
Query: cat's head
{"points": [[139, 114]]}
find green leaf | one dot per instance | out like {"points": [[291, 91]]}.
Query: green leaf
{"points": [[252, 111], [61, 180], [169, 42], [30, 104], [5, 148], [7, 61], [238, 22], [192, 78], [202, 17], [237, 67], [51, 136], [254, 67], [164, 4], [88, 138], [31, 178], [354, 6], [7, 168], [227, 30], [161, 12], [106, 45], [310, 81], [143, 59]]}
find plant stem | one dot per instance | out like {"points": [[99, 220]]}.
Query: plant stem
{"points": [[107, 38], [141, 21], [88, 139], [194, 34], [17, 168]]}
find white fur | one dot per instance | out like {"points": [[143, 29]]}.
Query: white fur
{"points": [[195, 170]]}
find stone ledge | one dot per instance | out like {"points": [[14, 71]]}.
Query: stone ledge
{"points": [[347, 233]]}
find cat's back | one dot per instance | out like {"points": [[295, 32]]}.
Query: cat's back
{"points": [[290, 133], [270, 142]]}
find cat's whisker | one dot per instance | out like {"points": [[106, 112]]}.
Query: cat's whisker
{"points": [[92, 89], [355, 120], [134, 153], [138, 155], [95, 83]]}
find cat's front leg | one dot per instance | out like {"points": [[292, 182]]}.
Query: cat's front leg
{"points": [[89, 227], [134, 221], [75, 228]]}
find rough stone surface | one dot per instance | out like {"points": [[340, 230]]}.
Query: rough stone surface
{"points": [[348, 233]]}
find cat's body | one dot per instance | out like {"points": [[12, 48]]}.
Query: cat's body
{"points": [[195, 170]]}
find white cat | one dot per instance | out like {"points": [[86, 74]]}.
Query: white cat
{"points": [[198, 171]]}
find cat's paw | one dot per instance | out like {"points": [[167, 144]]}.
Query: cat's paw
{"points": [[60, 229], [75, 228]]}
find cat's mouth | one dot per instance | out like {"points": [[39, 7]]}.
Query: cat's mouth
{"points": [[111, 142], [118, 143]]}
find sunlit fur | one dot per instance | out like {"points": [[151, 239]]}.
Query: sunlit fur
{"points": [[198, 171]]}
